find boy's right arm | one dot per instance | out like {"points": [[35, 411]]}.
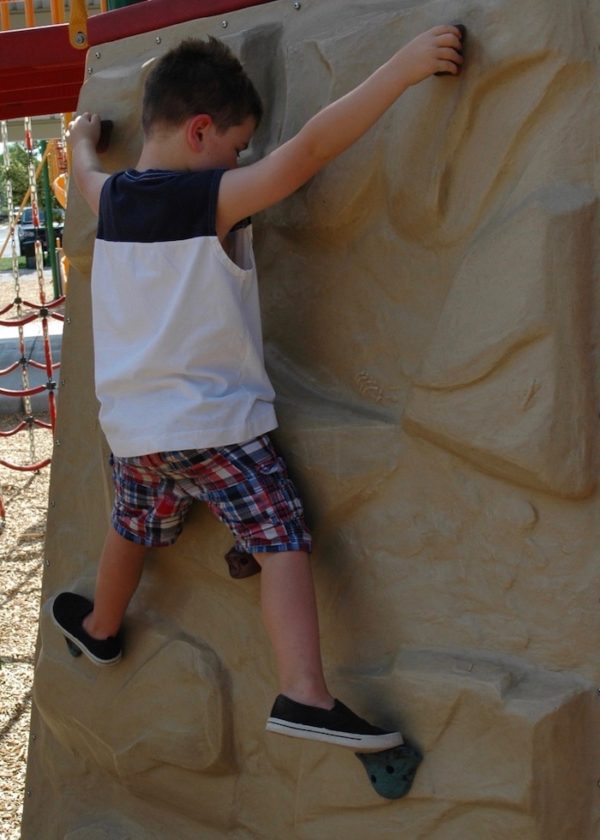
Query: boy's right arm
{"points": [[84, 134], [251, 188]]}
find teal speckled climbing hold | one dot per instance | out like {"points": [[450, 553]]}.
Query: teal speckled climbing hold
{"points": [[391, 772]]}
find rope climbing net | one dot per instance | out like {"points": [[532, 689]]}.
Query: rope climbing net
{"points": [[20, 313]]}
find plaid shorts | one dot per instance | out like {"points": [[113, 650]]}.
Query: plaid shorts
{"points": [[246, 486]]}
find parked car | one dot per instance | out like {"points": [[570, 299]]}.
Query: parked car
{"points": [[27, 235]]}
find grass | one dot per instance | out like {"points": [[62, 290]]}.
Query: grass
{"points": [[6, 263]]}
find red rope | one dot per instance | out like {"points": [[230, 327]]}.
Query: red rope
{"points": [[25, 392], [29, 421], [10, 369], [28, 467]]}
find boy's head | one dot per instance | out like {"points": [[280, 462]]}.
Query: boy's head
{"points": [[199, 77]]}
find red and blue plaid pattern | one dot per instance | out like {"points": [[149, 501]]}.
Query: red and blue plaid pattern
{"points": [[246, 486]]}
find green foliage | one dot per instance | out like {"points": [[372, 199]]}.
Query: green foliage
{"points": [[18, 175]]}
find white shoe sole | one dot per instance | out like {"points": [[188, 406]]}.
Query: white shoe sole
{"points": [[361, 743]]}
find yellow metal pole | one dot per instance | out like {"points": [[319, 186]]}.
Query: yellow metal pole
{"points": [[4, 17], [57, 11], [78, 25], [29, 13]]}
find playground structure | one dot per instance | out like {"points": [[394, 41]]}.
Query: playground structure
{"points": [[38, 74], [428, 306], [20, 312]]}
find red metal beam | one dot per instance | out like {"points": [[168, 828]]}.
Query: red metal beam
{"points": [[41, 73], [156, 14]]}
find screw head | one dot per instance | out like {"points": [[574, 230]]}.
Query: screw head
{"points": [[80, 38], [90, 71], [224, 24], [98, 54], [297, 5], [158, 39]]}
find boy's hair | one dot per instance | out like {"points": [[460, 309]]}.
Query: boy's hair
{"points": [[199, 77]]}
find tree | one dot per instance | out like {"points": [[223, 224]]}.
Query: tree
{"points": [[18, 174]]}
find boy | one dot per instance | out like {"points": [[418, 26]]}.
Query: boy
{"points": [[186, 404]]}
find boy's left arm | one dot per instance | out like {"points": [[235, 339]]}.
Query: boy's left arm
{"points": [[249, 189], [83, 136]]}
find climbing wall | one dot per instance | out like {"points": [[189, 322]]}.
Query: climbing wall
{"points": [[430, 323]]}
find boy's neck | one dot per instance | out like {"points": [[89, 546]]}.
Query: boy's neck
{"points": [[159, 158], [164, 151]]}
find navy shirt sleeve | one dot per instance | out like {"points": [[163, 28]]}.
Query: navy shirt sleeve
{"points": [[158, 205]]}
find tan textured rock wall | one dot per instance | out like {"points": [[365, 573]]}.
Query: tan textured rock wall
{"points": [[430, 315]]}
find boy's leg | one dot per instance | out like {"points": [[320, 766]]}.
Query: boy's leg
{"points": [[305, 708], [94, 627], [290, 616], [119, 572]]}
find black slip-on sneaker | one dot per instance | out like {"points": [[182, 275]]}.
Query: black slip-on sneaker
{"points": [[68, 612], [338, 726]]}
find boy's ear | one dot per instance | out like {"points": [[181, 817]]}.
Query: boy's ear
{"points": [[195, 130]]}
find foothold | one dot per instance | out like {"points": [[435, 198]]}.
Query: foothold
{"points": [[241, 565], [72, 647], [463, 37], [106, 127], [391, 772]]}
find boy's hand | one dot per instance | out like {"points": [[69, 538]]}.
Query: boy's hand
{"points": [[84, 135], [84, 127], [436, 51]]}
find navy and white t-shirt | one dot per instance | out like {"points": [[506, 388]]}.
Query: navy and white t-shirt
{"points": [[176, 319]]}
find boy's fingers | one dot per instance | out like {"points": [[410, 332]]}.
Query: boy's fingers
{"points": [[449, 39], [450, 54], [452, 42], [447, 29], [448, 68]]}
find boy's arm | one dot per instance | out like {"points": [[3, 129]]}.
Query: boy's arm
{"points": [[251, 188], [84, 134]]}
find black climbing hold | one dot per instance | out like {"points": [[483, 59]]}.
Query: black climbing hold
{"points": [[463, 37], [391, 772], [241, 565], [106, 127], [72, 647]]}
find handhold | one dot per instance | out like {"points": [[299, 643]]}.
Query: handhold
{"points": [[463, 37], [106, 127]]}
